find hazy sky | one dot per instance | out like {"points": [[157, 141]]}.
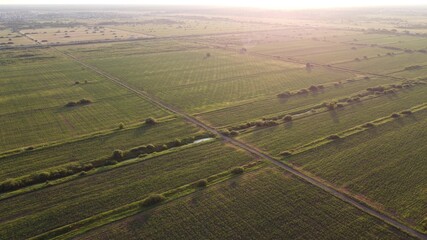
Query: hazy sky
{"points": [[285, 4]]}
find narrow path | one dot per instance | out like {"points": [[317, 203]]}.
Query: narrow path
{"points": [[246, 147]]}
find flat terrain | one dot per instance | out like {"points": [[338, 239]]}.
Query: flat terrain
{"points": [[186, 124]]}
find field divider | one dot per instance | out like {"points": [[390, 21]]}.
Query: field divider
{"points": [[73, 229], [333, 191]]}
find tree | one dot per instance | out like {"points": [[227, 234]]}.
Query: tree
{"points": [[150, 121]]}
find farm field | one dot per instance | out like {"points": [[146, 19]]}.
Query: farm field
{"points": [[78, 34], [207, 83], [288, 136], [284, 209], [274, 106], [93, 147], [35, 89], [356, 164], [172, 122], [25, 215]]}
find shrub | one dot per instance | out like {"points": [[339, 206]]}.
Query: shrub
{"points": [[117, 154], [201, 183], [234, 133], [340, 105], [121, 126], [71, 104], [150, 121], [390, 91], [395, 115], [84, 101], [407, 112], [77, 82], [237, 170], [368, 125], [287, 118], [313, 88], [333, 137], [110, 162], [286, 154], [153, 200], [284, 94]]}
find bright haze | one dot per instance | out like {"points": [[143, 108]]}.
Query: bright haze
{"points": [[269, 4]]}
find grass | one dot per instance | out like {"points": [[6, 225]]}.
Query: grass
{"points": [[26, 215], [383, 165], [272, 204], [287, 136]]}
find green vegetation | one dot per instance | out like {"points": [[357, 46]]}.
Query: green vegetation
{"points": [[167, 124], [372, 173], [268, 200]]}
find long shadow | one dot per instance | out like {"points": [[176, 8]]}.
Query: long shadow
{"points": [[334, 116]]}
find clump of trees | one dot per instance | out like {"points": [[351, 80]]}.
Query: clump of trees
{"points": [[120, 155], [41, 177]]}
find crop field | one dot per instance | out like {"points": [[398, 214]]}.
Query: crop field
{"points": [[388, 64], [35, 89], [93, 147], [182, 26], [288, 136], [165, 122], [78, 34], [274, 106], [200, 83], [284, 209], [358, 165], [81, 198]]}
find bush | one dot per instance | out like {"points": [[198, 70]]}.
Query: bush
{"points": [[150, 121], [153, 200], [395, 115], [121, 126], [234, 133], [110, 162], [284, 95], [71, 104], [313, 88], [237, 170], [117, 155], [286, 154], [368, 125], [201, 183], [333, 137], [340, 105], [287, 118]]}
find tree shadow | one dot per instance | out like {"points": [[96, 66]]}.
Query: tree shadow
{"points": [[288, 125], [334, 116]]}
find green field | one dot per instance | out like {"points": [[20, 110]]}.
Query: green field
{"points": [[25, 215], [36, 88], [170, 122], [288, 136], [391, 176], [273, 204]]}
